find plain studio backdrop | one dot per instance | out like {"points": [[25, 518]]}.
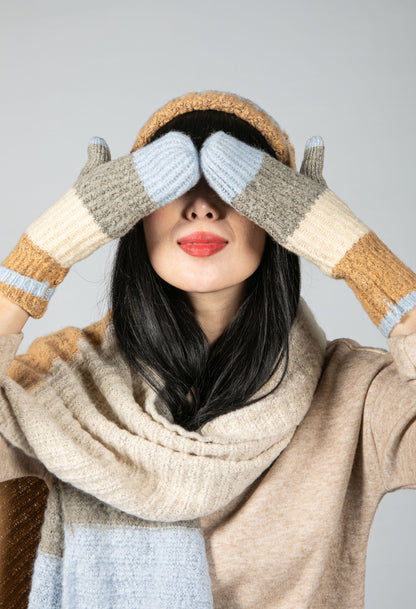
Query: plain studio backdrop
{"points": [[345, 71]]}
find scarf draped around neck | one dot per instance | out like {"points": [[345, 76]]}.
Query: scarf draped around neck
{"points": [[96, 427]]}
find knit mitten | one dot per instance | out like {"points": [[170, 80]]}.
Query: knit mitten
{"points": [[106, 201], [301, 213]]}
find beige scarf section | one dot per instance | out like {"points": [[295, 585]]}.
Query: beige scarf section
{"points": [[107, 435]]}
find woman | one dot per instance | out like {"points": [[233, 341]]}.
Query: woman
{"points": [[204, 445]]}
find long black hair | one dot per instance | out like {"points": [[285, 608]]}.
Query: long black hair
{"points": [[159, 335]]}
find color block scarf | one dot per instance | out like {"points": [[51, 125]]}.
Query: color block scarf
{"points": [[128, 486], [95, 427]]}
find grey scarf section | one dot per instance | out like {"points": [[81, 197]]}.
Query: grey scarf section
{"points": [[107, 434]]}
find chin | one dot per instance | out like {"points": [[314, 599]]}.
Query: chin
{"points": [[198, 284], [197, 288]]}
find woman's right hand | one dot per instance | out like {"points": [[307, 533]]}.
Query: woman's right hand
{"points": [[106, 201]]}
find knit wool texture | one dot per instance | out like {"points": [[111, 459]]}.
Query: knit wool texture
{"points": [[106, 201], [110, 197], [234, 104], [147, 466], [301, 213], [128, 485], [297, 209]]}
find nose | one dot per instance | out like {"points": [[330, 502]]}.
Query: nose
{"points": [[201, 209], [204, 204]]}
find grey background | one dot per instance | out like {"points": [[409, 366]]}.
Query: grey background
{"points": [[72, 70]]}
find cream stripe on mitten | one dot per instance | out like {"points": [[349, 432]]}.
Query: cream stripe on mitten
{"points": [[106, 201], [300, 212]]}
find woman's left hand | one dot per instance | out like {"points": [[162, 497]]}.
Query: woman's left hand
{"points": [[300, 212], [297, 209]]}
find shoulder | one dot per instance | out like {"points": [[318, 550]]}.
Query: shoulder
{"points": [[351, 368], [348, 349], [399, 360], [371, 374], [64, 345], [349, 352]]}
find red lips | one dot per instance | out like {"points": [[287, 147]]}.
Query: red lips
{"points": [[202, 244]]}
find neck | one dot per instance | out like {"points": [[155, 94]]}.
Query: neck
{"points": [[214, 311]]}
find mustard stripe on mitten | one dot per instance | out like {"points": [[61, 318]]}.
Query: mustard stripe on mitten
{"points": [[300, 212], [106, 201]]}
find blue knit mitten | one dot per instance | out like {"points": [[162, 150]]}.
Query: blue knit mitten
{"points": [[301, 213], [106, 201]]}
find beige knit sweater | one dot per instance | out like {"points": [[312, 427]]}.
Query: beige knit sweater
{"points": [[296, 537]]}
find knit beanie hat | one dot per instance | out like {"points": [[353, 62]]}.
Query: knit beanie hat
{"points": [[226, 102]]}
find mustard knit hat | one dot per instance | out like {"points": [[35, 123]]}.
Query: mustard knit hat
{"points": [[226, 102]]}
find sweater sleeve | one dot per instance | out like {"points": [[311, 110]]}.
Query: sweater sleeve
{"points": [[391, 400], [13, 462]]}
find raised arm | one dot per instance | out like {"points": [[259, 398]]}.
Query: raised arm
{"points": [[301, 213], [12, 317], [106, 201], [407, 325]]}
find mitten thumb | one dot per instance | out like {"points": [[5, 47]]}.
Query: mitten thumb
{"points": [[313, 160], [98, 153]]}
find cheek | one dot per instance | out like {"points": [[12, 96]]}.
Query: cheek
{"points": [[158, 225], [149, 237], [156, 232], [151, 228], [155, 229], [254, 241]]}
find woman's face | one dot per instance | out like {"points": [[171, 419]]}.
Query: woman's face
{"points": [[199, 243]]}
